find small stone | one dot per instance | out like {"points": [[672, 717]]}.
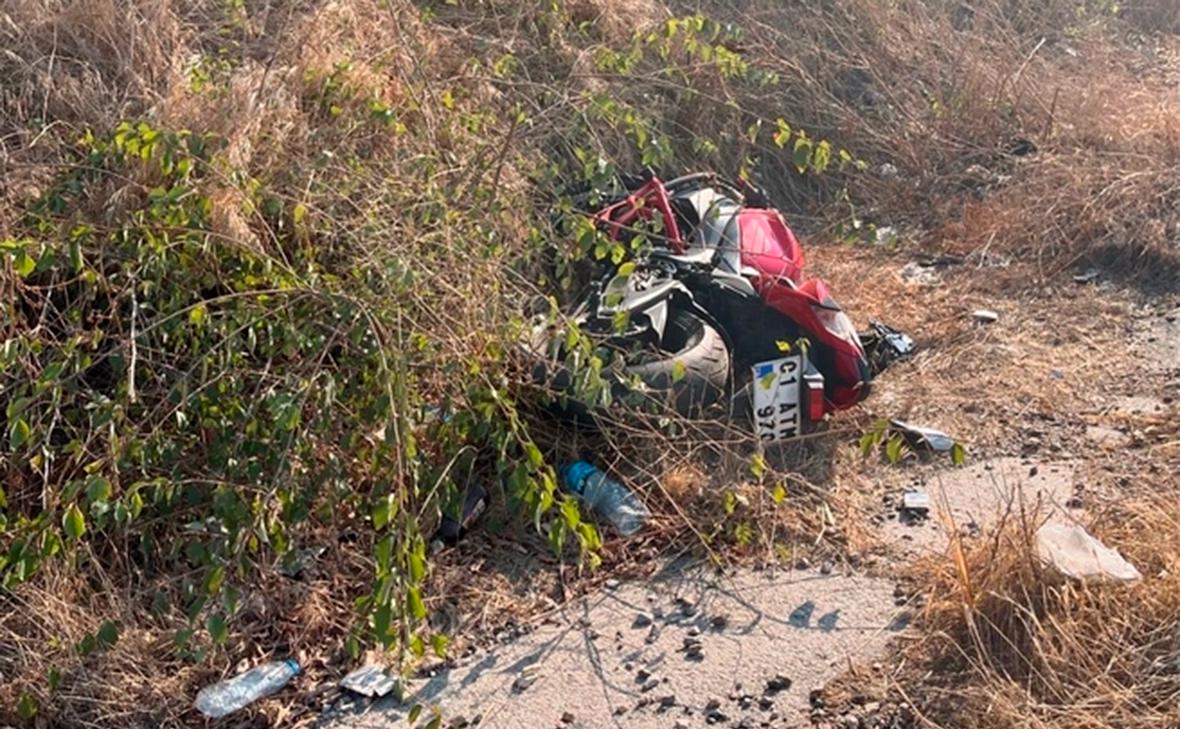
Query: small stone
{"points": [[777, 684], [649, 685], [826, 568], [642, 675], [899, 591], [458, 722], [628, 666], [802, 563], [719, 622], [850, 721], [667, 701], [694, 631], [985, 316], [652, 635], [680, 724], [746, 723], [612, 584], [1073, 502], [620, 710], [523, 681], [745, 701], [765, 703], [567, 718], [712, 705], [642, 620]]}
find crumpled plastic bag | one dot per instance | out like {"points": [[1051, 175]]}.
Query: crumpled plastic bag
{"points": [[1074, 553]]}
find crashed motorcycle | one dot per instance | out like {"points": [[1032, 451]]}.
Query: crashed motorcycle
{"points": [[716, 303]]}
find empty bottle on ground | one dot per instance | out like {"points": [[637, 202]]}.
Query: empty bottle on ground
{"points": [[226, 697], [606, 497]]}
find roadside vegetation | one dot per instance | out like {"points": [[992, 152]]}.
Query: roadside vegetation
{"points": [[264, 270]]}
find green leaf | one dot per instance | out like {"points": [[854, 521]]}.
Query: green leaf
{"points": [[415, 712], [384, 511], [779, 494], [24, 264], [218, 629], [802, 153], [626, 269], [26, 707], [299, 213], [417, 646], [417, 567], [76, 261], [534, 453], [757, 465], [867, 441], [215, 579], [678, 371], [73, 522], [16, 406], [821, 157], [958, 454], [108, 634], [196, 315], [893, 449], [18, 433], [570, 514], [98, 490], [414, 599], [439, 643]]}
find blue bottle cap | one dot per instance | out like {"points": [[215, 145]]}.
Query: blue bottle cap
{"points": [[573, 474]]}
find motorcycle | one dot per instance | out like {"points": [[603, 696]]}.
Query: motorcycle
{"points": [[718, 303]]}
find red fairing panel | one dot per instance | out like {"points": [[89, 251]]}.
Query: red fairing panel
{"points": [[844, 366], [769, 246]]}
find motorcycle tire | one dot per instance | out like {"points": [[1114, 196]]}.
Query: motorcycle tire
{"points": [[691, 343]]}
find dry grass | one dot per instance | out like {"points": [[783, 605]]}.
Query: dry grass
{"points": [[1018, 650]]}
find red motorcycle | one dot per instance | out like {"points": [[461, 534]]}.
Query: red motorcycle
{"points": [[717, 301]]}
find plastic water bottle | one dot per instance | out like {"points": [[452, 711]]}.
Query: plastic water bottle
{"points": [[226, 697], [605, 496]]}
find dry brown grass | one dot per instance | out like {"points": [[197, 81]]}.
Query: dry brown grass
{"points": [[1019, 650]]}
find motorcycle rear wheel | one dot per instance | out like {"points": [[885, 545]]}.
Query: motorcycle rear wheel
{"points": [[691, 368]]}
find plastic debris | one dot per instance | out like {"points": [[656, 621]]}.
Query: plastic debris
{"points": [[1073, 553], [915, 503], [225, 697], [885, 345], [1088, 277], [605, 496], [370, 680], [985, 316], [918, 435]]}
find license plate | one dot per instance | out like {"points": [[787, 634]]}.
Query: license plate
{"points": [[777, 401]]}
